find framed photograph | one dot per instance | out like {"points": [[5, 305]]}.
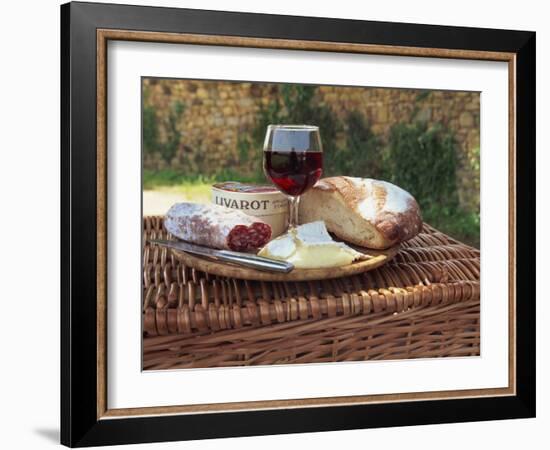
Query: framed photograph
{"points": [[278, 224]]}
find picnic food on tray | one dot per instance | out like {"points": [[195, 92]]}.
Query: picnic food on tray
{"points": [[365, 212], [309, 246]]}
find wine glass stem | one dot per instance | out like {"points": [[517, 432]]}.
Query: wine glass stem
{"points": [[293, 205]]}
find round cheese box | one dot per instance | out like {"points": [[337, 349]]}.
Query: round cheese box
{"points": [[262, 201]]}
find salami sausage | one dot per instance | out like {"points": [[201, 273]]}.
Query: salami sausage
{"points": [[216, 227]]}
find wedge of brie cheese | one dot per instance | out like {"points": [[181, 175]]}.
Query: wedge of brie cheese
{"points": [[309, 246]]}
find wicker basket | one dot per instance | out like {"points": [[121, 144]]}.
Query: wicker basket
{"points": [[423, 304]]}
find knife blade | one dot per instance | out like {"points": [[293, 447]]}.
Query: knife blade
{"points": [[242, 259]]}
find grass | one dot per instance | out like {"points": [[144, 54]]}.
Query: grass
{"points": [[191, 192], [153, 180], [461, 225]]}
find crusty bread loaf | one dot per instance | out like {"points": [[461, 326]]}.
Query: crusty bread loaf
{"points": [[370, 213]]}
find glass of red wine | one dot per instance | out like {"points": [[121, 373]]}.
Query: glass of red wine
{"points": [[293, 161]]}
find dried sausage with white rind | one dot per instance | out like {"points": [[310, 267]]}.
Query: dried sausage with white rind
{"points": [[216, 227]]}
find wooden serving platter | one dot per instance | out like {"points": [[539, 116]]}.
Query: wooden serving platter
{"points": [[204, 264]]}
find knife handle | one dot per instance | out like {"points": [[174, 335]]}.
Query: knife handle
{"points": [[254, 262]]}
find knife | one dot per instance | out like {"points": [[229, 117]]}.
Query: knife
{"points": [[242, 259]]}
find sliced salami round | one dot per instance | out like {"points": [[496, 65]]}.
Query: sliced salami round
{"points": [[216, 227]]}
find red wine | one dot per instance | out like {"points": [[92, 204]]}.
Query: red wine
{"points": [[293, 172]]}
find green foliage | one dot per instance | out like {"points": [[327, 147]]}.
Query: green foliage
{"points": [[422, 95], [169, 148], [455, 222], [474, 161], [150, 130], [362, 154], [152, 143], [417, 104], [249, 160], [423, 161]]}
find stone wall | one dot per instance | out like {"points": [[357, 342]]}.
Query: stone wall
{"points": [[215, 114]]}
